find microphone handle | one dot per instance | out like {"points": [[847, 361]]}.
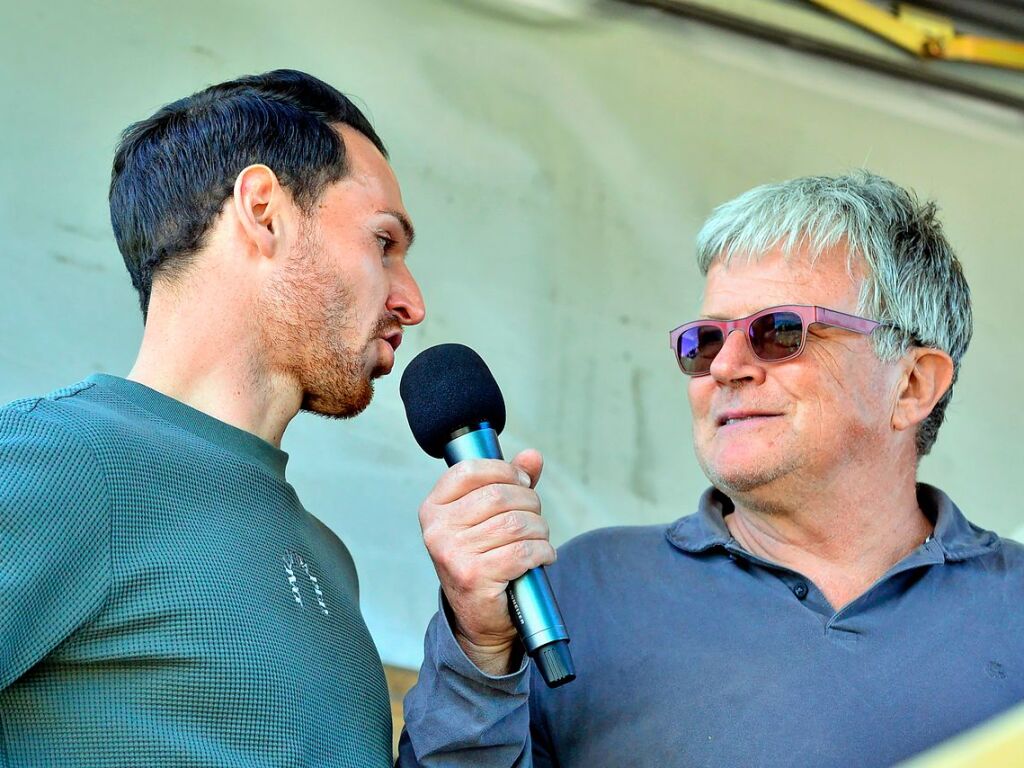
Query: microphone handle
{"points": [[531, 601]]}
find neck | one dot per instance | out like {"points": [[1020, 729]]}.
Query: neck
{"points": [[206, 353], [842, 537]]}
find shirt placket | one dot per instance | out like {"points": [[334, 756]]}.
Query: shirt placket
{"points": [[807, 593]]}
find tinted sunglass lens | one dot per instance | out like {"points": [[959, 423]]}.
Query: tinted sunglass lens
{"points": [[698, 347], [776, 335]]}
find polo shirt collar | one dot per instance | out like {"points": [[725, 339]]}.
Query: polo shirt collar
{"points": [[704, 529], [956, 537]]}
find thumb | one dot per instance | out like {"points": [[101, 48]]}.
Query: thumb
{"points": [[531, 462]]}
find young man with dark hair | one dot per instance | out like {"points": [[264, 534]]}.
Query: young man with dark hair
{"points": [[168, 600]]}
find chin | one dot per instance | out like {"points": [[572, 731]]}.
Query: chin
{"points": [[742, 476], [342, 404]]}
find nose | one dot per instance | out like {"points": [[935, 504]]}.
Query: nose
{"points": [[735, 361], [405, 301]]}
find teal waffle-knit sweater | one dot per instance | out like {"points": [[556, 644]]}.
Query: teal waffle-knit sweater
{"points": [[165, 600]]}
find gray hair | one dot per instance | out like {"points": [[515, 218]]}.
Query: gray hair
{"points": [[914, 283]]}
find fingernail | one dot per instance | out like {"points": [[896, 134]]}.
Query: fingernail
{"points": [[524, 479]]}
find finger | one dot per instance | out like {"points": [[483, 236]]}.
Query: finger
{"points": [[532, 463], [484, 503], [513, 560], [440, 523], [503, 529], [469, 475]]}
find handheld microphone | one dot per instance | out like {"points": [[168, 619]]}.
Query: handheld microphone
{"points": [[456, 412]]}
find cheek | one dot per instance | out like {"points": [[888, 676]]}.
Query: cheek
{"points": [[373, 285], [870, 405], [699, 392], [845, 409]]}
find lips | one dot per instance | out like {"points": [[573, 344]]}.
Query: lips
{"points": [[394, 339], [739, 416]]}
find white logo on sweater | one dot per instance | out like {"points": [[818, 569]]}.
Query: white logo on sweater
{"points": [[293, 562]]}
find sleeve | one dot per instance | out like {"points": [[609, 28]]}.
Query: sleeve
{"points": [[54, 538], [457, 715]]}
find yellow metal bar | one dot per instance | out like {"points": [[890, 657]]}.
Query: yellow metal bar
{"points": [[881, 23], [984, 50], [934, 26], [927, 35]]}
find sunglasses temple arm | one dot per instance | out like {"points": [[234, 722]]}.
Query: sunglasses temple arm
{"points": [[843, 320]]}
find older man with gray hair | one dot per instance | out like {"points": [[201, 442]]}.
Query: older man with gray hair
{"points": [[821, 607]]}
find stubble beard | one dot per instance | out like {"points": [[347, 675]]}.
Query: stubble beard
{"points": [[765, 472], [349, 391], [333, 376], [736, 483], [305, 324]]}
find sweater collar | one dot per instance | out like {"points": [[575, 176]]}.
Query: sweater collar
{"points": [[237, 441]]}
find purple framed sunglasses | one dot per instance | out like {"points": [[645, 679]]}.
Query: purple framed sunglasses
{"points": [[774, 334]]}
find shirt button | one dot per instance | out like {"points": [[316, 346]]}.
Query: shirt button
{"points": [[800, 590]]}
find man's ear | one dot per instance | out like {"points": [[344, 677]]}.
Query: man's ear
{"points": [[928, 376], [260, 203]]}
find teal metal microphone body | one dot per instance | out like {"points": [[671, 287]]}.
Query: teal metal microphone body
{"points": [[531, 601]]}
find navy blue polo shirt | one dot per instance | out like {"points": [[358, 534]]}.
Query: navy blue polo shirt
{"points": [[692, 652]]}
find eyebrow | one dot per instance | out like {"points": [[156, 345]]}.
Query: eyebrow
{"points": [[410, 233]]}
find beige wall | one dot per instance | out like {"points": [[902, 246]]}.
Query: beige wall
{"points": [[558, 169]]}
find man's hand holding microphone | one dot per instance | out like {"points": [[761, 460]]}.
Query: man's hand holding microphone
{"points": [[482, 527], [481, 522]]}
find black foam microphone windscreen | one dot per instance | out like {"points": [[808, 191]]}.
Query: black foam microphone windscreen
{"points": [[447, 388]]}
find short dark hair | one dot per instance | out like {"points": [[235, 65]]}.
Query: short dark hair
{"points": [[173, 171]]}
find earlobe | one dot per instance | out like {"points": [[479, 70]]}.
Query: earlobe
{"points": [[256, 200], [928, 377]]}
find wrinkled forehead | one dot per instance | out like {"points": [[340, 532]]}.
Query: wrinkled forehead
{"points": [[742, 283], [803, 254]]}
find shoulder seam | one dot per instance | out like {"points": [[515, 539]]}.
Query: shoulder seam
{"points": [[23, 405], [81, 442], [29, 404], [87, 446], [109, 521], [77, 391]]}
